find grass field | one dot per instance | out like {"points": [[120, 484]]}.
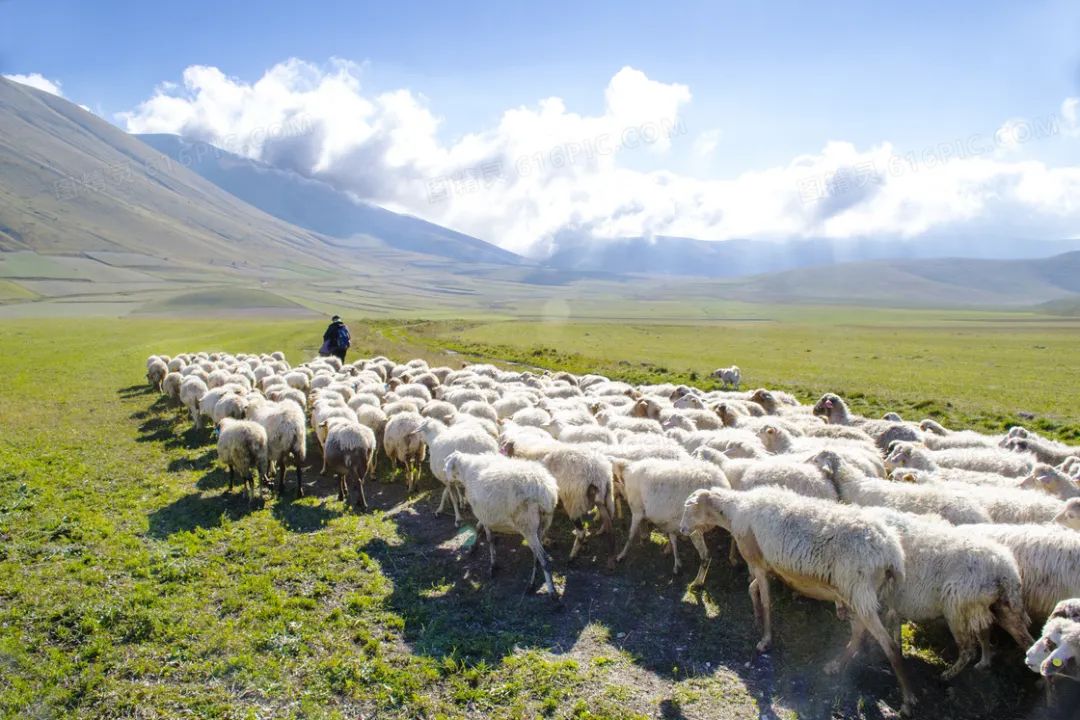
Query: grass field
{"points": [[133, 585]]}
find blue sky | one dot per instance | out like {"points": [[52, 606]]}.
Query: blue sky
{"points": [[771, 80], [779, 77]]}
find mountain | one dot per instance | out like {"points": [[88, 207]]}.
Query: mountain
{"points": [[664, 255], [318, 206], [944, 282], [74, 184]]}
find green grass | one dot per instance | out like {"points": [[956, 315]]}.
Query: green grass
{"points": [[133, 585], [214, 299]]}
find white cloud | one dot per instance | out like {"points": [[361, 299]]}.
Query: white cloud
{"points": [[39, 81], [705, 143], [543, 170]]}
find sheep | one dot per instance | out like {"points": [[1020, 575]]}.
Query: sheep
{"points": [[1049, 641], [958, 509], [967, 580], [210, 399], [156, 371], [1069, 516], [937, 437], [656, 489], [441, 441], [348, 453], [508, 496], [910, 456], [242, 447], [1049, 560], [800, 477], [1044, 451], [984, 460], [322, 411], [480, 410], [728, 377], [581, 433], [228, 406], [777, 440], [779, 532], [835, 411], [584, 477], [1050, 480], [170, 386], [286, 435], [404, 445]]}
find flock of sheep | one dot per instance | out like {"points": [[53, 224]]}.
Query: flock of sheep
{"points": [[891, 520]]}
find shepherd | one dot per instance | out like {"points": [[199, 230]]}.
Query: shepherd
{"points": [[336, 339]]}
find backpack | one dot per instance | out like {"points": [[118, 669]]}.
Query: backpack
{"points": [[340, 339]]}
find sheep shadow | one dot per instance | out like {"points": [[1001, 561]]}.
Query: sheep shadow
{"points": [[196, 510], [134, 391], [302, 517]]}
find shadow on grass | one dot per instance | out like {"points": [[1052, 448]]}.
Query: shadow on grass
{"points": [[196, 510], [133, 391]]}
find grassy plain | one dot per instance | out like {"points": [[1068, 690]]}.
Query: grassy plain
{"points": [[133, 585]]}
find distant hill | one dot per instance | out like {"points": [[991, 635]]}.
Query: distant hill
{"points": [[664, 255], [944, 282], [317, 206]]}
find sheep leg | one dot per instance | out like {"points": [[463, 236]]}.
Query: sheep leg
{"points": [[733, 553], [442, 501], [454, 500], [249, 484], [987, 650], [896, 659], [341, 490], [230, 478], [755, 600], [492, 566], [281, 477], [673, 542], [703, 552], [965, 641], [761, 577], [362, 499], [635, 524], [858, 633], [579, 537], [299, 480], [533, 541]]}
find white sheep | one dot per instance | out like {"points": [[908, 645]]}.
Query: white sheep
{"points": [[728, 377], [242, 447], [170, 386], [852, 563], [286, 433], [1049, 560], [348, 453], [655, 491], [192, 390], [403, 444], [1050, 480], [441, 441], [584, 476], [968, 580], [856, 489], [156, 370], [1070, 514], [508, 496]]}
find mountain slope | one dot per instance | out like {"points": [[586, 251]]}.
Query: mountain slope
{"points": [[318, 206], [73, 183]]}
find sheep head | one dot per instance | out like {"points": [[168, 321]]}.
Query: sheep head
{"points": [[1070, 514], [828, 462], [703, 510]]}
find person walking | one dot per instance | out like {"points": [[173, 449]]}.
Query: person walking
{"points": [[336, 339]]}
